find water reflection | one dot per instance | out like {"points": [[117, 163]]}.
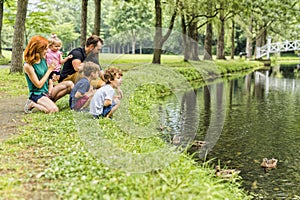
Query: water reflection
{"points": [[247, 119]]}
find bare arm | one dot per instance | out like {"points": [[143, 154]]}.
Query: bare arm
{"points": [[33, 77], [90, 93], [77, 65], [63, 60]]}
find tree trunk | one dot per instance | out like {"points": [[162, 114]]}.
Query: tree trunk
{"points": [[133, 41], [221, 44], [158, 33], [97, 20], [18, 39], [232, 40], [249, 46], [184, 39], [141, 48], [194, 41], [159, 40], [84, 5], [1, 19], [208, 42], [264, 36]]}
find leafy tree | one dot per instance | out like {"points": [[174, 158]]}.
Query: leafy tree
{"points": [[228, 10], [127, 19], [38, 18], [279, 19], [37, 21], [65, 22], [18, 40], [159, 38], [67, 34], [1, 23], [196, 14]]}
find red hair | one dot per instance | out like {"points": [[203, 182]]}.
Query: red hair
{"points": [[34, 49]]}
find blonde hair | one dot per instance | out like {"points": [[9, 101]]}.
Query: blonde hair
{"points": [[54, 40]]}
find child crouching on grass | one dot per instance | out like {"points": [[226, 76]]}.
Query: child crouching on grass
{"points": [[104, 103], [82, 92]]}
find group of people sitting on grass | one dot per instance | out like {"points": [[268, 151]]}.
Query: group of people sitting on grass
{"points": [[91, 89]]}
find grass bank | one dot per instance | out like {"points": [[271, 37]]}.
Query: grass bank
{"points": [[55, 156]]}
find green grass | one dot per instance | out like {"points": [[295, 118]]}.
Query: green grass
{"points": [[12, 84], [50, 158], [7, 57], [53, 158]]}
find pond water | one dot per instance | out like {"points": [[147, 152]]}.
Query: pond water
{"points": [[244, 120]]}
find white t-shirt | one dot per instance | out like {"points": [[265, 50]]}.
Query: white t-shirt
{"points": [[97, 102]]}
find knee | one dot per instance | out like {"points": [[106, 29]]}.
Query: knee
{"points": [[70, 85], [53, 109]]}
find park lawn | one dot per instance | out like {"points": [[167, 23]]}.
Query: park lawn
{"points": [[51, 159]]}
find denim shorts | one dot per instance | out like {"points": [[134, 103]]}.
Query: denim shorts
{"points": [[106, 110], [35, 98]]}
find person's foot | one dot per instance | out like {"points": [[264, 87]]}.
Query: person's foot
{"points": [[28, 106]]}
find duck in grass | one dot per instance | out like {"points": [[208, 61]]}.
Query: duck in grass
{"points": [[177, 139], [198, 144], [226, 173], [269, 163]]}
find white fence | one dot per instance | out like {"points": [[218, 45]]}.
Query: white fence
{"points": [[277, 47]]}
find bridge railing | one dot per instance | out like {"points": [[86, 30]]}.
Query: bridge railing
{"points": [[277, 47]]}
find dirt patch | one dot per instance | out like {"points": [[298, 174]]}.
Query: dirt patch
{"points": [[11, 114]]}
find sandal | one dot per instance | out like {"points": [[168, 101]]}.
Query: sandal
{"points": [[27, 110]]}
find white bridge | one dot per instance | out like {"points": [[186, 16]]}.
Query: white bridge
{"points": [[277, 47]]}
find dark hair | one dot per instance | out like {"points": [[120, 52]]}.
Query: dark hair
{"points": [[90, 67], [94, 39]]}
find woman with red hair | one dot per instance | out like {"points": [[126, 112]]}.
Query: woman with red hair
{"points": [[37, 75]]}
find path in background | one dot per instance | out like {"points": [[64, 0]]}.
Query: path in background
{"points": [[11, 113], [4, 66]]}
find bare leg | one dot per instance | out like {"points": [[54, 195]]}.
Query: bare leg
{"points": [[37, 106], [62, 89], [45, 104]]}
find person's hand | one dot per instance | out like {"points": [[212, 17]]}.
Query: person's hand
{"points": [[120, 93], [116, 100], [70, 56], [55, 77], [80, 67], [91, 92]]}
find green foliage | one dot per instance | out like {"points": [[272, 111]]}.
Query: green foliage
{"points": [[66, 32], [127, 23], [37, 19]]}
